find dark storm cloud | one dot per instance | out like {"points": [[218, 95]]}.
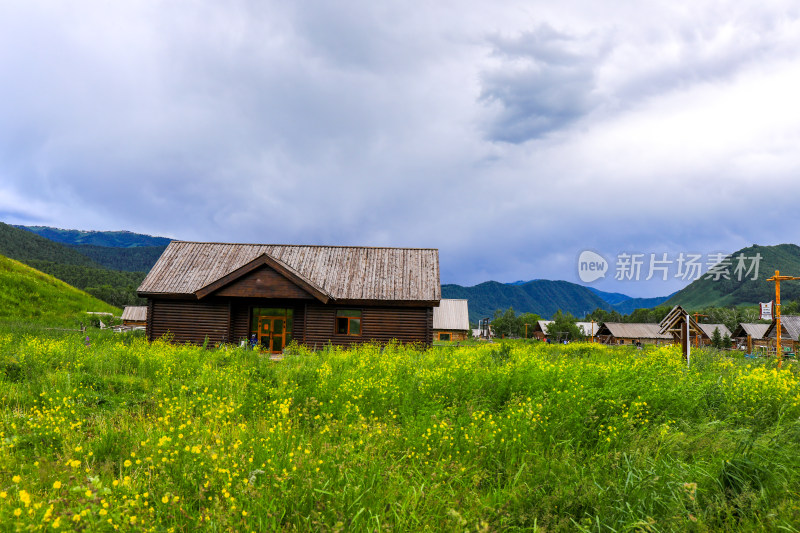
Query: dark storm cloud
{"points": [[544, 81]]}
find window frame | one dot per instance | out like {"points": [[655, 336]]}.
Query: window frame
{"points": [[449, 336], [350, 320]]}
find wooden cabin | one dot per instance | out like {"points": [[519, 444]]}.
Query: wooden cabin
{"points": [[630, 333], [750, 335], [539, 330], [682, 327], [271, 295], [134, 316], [790, 333], [708, 332], [451, 321]]}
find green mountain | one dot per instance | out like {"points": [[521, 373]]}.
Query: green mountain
{"points": [[134, 259], [543, 297], [25, 246], [113, 239], [29, 295], [705, 292], [113, 286]]}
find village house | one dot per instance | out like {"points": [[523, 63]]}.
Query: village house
{"points": [[749, 335], [632, 333], [134, 316], [271, 295], [451, 321], [790, 333]]}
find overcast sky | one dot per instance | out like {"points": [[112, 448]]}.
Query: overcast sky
{"points": [[510, 135]]}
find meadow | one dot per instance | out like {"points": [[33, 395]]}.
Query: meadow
{"points": [[116, 434]]}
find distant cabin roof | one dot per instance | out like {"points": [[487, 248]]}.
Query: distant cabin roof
{"points": [[708, 329], [754, 329], [627, 330], [352, 273], [452, 315], [135, 313]]}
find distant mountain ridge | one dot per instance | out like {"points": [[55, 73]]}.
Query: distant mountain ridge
{"points": [[109, 273], [112, 239], [543, 297]]}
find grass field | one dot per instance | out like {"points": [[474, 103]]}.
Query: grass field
{"points": [[123, 435]]}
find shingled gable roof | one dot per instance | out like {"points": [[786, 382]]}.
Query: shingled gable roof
{"points": [[342, 273]]}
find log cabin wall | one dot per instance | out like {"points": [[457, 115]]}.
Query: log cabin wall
{"points": [[228, 320], [455, 335], [189, 321], [381, 324]]}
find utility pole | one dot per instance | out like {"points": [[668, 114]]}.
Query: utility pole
{"points": [[777, 278]]}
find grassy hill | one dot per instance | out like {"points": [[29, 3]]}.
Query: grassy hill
{"points": [[734, 292], [29, 295]]}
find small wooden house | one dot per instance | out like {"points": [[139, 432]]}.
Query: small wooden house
{"points": [[451, 321], [790, 333], [539, 329], [134, 316], [271, 295], [708, 332], [747, 335], [682, 327], [628, 333]]}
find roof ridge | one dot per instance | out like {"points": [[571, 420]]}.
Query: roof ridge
{"points": [[304, 245]]}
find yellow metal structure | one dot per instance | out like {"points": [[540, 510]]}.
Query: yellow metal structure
{"points": [[777, 278]]}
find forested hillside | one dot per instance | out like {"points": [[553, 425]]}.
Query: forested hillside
{"points": [[134, 259], [115, 287], [745, 291], [542, 297]]}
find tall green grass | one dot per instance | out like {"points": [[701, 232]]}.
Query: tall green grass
{"points": [[510, 436]]}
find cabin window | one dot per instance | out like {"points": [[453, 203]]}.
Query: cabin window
{"points": [[444, 336], [348, 322]]}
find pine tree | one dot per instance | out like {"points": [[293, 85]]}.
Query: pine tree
{"points": [[716, 339]]}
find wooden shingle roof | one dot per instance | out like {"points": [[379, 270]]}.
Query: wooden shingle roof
{"points": [[451, 315], [135, 313], [348, 273], [708, 329], [789, 323], [754, 329], [634, 331]]}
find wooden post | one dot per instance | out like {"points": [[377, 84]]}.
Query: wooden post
{"points": [[750, 344], [778, 351], [686, 343]]}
